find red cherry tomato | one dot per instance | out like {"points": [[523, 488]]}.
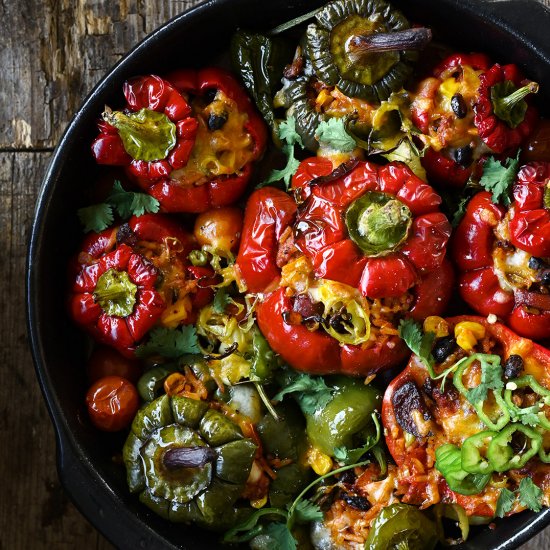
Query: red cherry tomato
{"points": [[112, 403], [106, 361]]}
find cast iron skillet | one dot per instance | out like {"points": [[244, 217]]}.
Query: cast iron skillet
{"points": [[510, 30]]}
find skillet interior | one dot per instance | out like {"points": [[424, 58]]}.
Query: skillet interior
{"points": [[194, 39]]}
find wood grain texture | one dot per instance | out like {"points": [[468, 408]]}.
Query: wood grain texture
{"points": [[52, 53]]}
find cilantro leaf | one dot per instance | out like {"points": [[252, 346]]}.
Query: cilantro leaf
{"points": [[332, 132], [221, 300], [505, 502], [498, 178], [287, 172], [170, 343], [287, 132], [128, 203], [96, 217], [313, 392], [530, 495], [306, 511], [420, 343], [280, 537], [491, 379]]}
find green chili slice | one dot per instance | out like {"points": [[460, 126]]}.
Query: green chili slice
{"points": [[501, 453], [471, 454], [533, 415]]}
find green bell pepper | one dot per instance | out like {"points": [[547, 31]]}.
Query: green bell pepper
{"points": [[151, 382], [188, 461], [401, 526], [502, 455], [346, 418]]}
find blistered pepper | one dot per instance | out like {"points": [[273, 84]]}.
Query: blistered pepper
{"points": [[466, 109], [501, 255], [130, 278], [188, 462], [171, 138], [376, 228]]}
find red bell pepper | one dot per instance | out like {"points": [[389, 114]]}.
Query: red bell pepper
{"points": [[130, 278], [415, 404], [486, 111], [177, 164], [377, 228], [500, 254]]}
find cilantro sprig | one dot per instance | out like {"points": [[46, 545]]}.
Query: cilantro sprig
{"points": [[498, 178], [312, 392], [289, 137], [491, 378], [529, 494], [419, 342], [170, 343], [332, 132], [98, 217]]}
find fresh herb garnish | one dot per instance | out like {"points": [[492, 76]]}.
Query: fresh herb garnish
{"points": [[170, 343], [313, 393], [349, 456], [420, 343], [124, 203], [491, 378], [288, 135], [332, 132], [221, 300], [505, 502], [498, 178], [530, 495]]}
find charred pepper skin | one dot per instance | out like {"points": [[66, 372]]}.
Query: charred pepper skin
{"points": [[528, 223], [204, 494], [167, 96], [102, 253]]}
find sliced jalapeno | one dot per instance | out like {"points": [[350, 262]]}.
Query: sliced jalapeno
{"points": [[502, 455], [520, 413], [471, 455]]}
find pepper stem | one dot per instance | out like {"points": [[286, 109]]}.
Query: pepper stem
{"points": [[508, 102], [409, 39], [116, 293], [511, 100], [188, 457]]}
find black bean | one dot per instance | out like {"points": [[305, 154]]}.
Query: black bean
{"points": [[458, 105], [348, 477], [536, 263], [513, 367], [463, 156], [545, 277], [210, 94], [443, 348], [357, 502], [215, 122]]}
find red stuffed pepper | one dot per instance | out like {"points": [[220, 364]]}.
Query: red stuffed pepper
{"points": [[188, 140], [130, 278], [504, 254], [450, 437], [467, 109], [330, 310]]}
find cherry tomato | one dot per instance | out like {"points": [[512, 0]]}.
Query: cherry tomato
{"points": [[112, 403], [220, 228], [106, 361]]}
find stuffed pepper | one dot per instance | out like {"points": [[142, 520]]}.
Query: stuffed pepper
{"points": [[132, 277], [364, 246], [189, 140], [467, 421], [503, 254], [468, 109]]}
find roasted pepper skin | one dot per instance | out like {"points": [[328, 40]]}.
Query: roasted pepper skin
{"points": [[528, 224], [268, 213], [167, 95], [494, 132], [535, 359], [318, 352], [322, 234], [105, 251]]}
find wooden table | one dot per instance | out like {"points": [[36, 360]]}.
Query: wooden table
{"points": [[53, 52]]}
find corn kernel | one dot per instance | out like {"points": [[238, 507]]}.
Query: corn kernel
{"points": [[259, 503], [468, 333], [319, 461], [437, 325]]}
